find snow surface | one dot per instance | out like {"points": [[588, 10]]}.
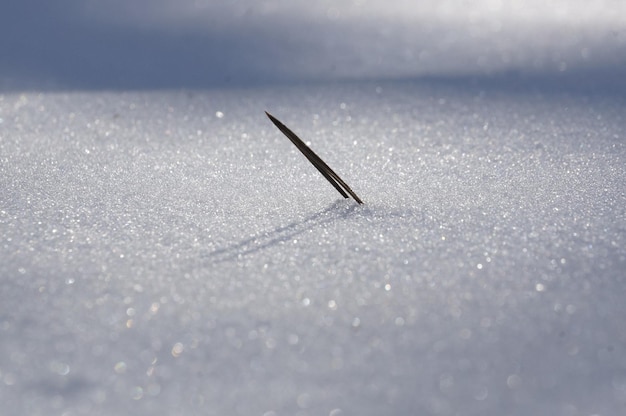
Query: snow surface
{"points": [[170, 252]]}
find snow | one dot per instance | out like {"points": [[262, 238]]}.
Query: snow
{"points": [[169, 251], [166, 44]]}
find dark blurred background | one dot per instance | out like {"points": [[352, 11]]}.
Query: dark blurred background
{"points": [[157, 44]]}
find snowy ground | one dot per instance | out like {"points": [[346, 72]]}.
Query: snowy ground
{"points": [[170, 252]]}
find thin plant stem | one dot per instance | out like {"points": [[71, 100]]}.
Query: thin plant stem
{"points": [[316, 161]]}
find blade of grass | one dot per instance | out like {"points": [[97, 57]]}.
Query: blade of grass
{"points": [[308, 153], [316, 161]]}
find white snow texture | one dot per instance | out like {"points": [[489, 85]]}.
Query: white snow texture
{"points": [[165, 250]]}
